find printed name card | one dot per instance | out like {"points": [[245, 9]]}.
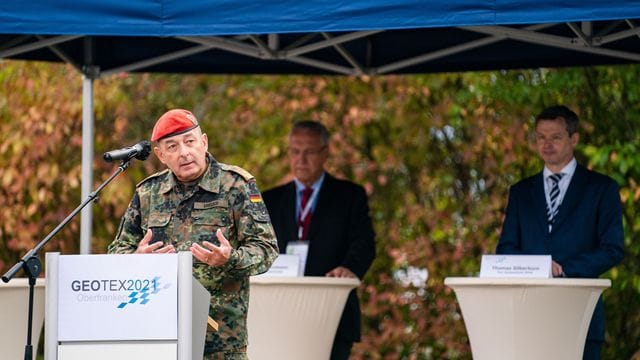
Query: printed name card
{"points": [[284, 265], [299, 249], [515, 266]]}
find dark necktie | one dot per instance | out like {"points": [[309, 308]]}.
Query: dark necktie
{"points": [[306, 222], [554, 193]]}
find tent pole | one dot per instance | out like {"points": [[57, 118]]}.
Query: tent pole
{"points": [[86, 219]]}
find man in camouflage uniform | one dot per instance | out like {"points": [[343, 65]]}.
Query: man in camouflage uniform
{"points": [[213, 210]]}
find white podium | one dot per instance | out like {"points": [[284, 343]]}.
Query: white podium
{"points": [[137, 306], [14, 314], [527, 318], [295, 317]]}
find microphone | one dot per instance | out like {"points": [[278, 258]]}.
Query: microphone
{"points": [[139, 151]]}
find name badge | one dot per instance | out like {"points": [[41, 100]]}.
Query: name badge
{"points": [[516, 266]]}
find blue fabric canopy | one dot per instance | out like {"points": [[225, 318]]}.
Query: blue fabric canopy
{"points": [[102, 37], [232, 17]]}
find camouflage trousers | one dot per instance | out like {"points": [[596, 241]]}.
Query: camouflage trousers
{"points": [[226, 356]]}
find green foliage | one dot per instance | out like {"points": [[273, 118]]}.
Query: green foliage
{"points": [[436, 153]]}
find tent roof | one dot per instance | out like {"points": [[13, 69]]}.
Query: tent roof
{"points": [[315, 37], [233, 17]]}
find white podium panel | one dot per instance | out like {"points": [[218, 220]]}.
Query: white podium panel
{"points": [[127, 297], [527, 318], [14, 314], [295, 317], [120, 351], [134, 306]]}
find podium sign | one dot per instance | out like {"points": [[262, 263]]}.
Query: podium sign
{"points": [[134, 306], [516, 266], [284, 265], [136, 294]]}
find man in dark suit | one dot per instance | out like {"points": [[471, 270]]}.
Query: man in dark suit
{"points": [[566, 211], [328, 215]]}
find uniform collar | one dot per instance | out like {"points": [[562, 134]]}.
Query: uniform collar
{"points": [[209, 180]]}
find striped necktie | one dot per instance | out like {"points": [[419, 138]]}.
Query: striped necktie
{"points": [[554, 203]]}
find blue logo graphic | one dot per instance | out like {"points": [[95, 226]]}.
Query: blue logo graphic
{"points": [[141, 295]]}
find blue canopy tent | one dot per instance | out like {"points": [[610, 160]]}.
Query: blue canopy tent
{"points": [[314, 37], [357, 37]]}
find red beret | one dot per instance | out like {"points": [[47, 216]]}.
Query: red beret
{"points": [[173, 122]]}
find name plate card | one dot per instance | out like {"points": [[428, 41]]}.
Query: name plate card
{"points": [[299, 249], [516, 266], [284, 265]]}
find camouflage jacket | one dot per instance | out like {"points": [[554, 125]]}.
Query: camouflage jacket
{"points": [[225, 197]]}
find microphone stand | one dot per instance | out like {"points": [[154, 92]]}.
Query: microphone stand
{"points": [[31, 264]]}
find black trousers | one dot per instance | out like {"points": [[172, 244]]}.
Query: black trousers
{"points": [[341, 350], [592, 349]]}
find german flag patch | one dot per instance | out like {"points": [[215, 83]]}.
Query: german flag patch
{"points": [[256, 208]]}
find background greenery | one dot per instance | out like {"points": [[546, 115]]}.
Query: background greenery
{"points": [[436, 154]]}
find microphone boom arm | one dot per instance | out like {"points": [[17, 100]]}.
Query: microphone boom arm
{"points": [[91, 197]]}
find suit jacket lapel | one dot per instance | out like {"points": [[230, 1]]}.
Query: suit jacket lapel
{"points": [[290, 215], [323, 206], [570, 200]]}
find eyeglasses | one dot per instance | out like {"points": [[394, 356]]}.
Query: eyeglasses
{"points": [[293, 152]]}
